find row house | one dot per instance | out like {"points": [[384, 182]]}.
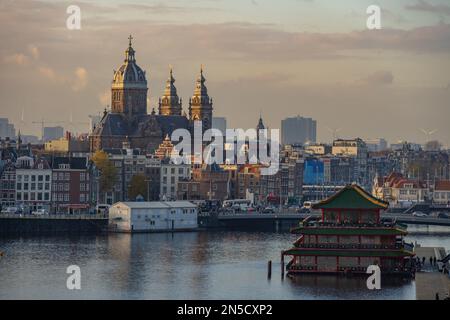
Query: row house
{"points": [[284, 187], [7, 184], [171, 175], [33, 183], [209, 182], [441, 192], [397, 190], [70, 185]]}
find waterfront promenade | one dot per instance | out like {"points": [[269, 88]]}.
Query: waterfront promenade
{"points": [[430, 280]]}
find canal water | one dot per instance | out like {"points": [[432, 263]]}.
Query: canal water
{"points": [[193, 265]]}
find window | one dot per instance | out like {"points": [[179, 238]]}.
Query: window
{"points": [[33, 178], [60, 197], [33, 186], [172, 170], [55, 175], [47, 177], [47, 186], [19, 196], [82, 199], [19, 186], [25, 186], [39, 196], [19, 178], [32, 196], [82, 176], [66, 187], [40, 177], [40, 186], [180, 171], [67, 176], [61, 176], [66, 197], [82, 187], [46, 196]]}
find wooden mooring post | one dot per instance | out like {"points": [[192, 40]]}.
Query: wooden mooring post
{"points": [[269, 269], [282, 264]]}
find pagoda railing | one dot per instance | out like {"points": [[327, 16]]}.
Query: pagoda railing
{"points": [[397, 246], [353, 225]]}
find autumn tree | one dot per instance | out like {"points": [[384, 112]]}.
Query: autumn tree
{"points": [[138, 186], [108, 172]]}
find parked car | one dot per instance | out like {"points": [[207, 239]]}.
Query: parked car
{"points": [[10, 210], [419, 214], [268, 210], [443, 215], [40, 212]]}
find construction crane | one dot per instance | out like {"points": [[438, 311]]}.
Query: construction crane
{"points": [[43, 124], [74, 123]]}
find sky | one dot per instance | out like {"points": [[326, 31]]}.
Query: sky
{"points": [[313, 58]]}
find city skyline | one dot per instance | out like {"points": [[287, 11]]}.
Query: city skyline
{"points": [[305, 57]]}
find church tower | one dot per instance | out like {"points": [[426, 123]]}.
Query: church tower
{"points": [[129, 87], [200, 105], [169, 103]]}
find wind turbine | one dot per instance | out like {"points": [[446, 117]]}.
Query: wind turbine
{"points": [[334, 132], [428, 133]]}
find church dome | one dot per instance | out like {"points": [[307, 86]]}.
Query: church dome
{"points": [[129, 74]]}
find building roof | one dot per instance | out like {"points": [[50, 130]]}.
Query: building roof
{"points": [[351, 197], [156, 204], [78, 163], [442, 185]]}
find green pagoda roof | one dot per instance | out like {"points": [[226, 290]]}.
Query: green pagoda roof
{"points": [[351, 197]]}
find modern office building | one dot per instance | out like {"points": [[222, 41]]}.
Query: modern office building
{"points": [[7, 129], [298, 130], [53, 133], [219, 123]]}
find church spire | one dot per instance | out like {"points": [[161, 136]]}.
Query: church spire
{"points": [[200, 104], [170, 103], [129, 53]]}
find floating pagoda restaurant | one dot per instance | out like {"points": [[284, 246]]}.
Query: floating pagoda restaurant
{"points": [[349, 237]]}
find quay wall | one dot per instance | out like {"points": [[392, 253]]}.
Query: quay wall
{"points": [[51, 225]]}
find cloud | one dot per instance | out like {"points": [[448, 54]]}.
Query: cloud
{"points": [[379, 78], [48, 73], [81, 79], [422, 5], [34, 51], [17, 58], [104, 97]]}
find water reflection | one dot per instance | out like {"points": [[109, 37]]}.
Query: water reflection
{"points": [[193, 265]]}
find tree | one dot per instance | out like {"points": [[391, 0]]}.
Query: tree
{"points": [[108, 172], [138, 186]]}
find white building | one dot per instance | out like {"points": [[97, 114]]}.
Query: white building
{"points": [[33, 183], [153, 216], [170, 175]]}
